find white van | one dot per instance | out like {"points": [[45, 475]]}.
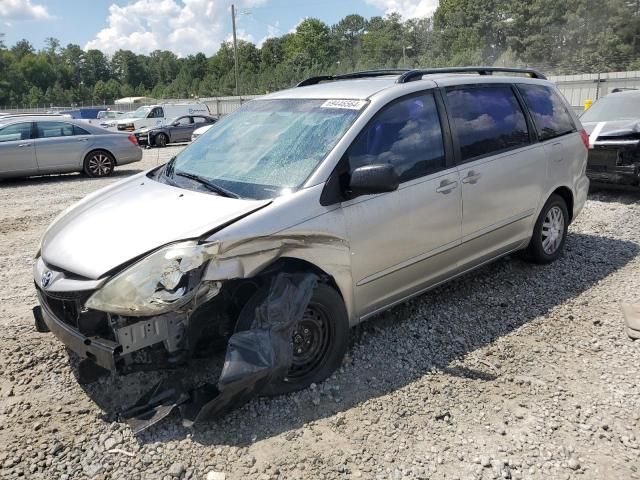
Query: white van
{"points": [[151, 116]]}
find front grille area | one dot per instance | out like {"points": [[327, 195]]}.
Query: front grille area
{"points": [[67, 306], [603, 158]]}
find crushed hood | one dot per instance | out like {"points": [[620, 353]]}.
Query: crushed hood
{"points": [[132, 218], [617, 128]]}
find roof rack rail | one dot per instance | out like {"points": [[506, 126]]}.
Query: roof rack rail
{"points": [[417, 74], [353, 75]]}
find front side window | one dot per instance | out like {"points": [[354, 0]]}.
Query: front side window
{"points": [[549, 112], [54, 129], [487, 120], [265, 148], [15, 132], [142, 112], [157, 113], [183, 121], [407, 135]]}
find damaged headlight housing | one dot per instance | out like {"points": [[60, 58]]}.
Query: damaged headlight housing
{"points": [[161, 282]]}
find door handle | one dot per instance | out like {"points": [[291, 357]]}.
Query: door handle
{"points": [[446, 186], [24, 145], [82, 140], [471, 178]]}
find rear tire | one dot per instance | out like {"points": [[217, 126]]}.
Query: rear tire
{"points": [[549, 232], [161, 140], [99, 164], [320, 339]]}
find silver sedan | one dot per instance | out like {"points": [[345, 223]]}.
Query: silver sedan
{"points": [[38, 145]]}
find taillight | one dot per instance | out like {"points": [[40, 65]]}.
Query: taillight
{"points": [[134, 140], [585, 138]]}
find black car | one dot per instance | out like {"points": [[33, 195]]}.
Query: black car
{"points": [[613, 125], [178, 130]]}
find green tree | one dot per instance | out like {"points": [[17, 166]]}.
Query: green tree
{"points": [[21, 49], [310, 45], [347, 37], [383, 42]]}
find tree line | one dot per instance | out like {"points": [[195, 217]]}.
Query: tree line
{"points": [[558, 37]]}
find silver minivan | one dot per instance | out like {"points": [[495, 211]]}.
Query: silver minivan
{"points": [[380, 185]]}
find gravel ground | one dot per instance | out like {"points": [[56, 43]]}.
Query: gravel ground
{"points": [[513, 371]]}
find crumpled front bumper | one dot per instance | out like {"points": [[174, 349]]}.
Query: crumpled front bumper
{"points": [[101, 351], [611, 162]]}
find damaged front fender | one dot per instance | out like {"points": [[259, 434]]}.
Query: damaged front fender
{"points": [[254, 358], [248, 257]]}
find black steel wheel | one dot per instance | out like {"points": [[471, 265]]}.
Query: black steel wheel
{"points": [[311, 340], [161, 140], [320, 339], [99, 164]]}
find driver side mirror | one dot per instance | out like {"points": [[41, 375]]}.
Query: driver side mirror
{"points": [[372, 179]]}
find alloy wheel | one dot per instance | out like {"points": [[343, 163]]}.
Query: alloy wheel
{"points": [[100, 165], [552, 230]]}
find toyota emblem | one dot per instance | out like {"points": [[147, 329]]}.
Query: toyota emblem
{"points": [[46, 278]]}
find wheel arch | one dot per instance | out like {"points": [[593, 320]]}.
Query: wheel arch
{"points": [[567, 195], [292, 264], [299, 265]]}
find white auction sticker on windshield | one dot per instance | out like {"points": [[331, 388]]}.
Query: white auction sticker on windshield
{"points": [[348, 104]]}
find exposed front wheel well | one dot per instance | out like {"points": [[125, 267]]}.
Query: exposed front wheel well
{"points": [[239, 291], [567, 196], [296, 265]]}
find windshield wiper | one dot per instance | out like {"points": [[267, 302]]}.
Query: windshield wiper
{"points": [[208, 184]]}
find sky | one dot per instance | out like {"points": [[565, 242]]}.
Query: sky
{"points": [[182, 26]]}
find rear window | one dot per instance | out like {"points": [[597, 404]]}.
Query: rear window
{"points": [[549, 112], [487, 120]]}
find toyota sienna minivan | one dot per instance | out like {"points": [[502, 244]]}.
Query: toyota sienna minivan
{"points": [[381, 184]]}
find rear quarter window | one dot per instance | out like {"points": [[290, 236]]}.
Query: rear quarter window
{"points": [[487, 120], [548, 110], [79, 131]]}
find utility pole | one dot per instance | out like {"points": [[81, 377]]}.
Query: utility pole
{"points": [[235, 45], [404, 56]]}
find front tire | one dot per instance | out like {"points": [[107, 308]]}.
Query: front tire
{"points": [[99, 164], [161, 140], [320, 339], [550, 231]]}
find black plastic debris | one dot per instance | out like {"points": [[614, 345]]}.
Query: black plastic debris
{"points": [[90, 372], [254, 358]]}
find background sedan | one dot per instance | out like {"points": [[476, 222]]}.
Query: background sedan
{"points": [[36, 145], [179, 130]]}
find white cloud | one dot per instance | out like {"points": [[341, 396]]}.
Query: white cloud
{"points": [[295, 27], [22, 10], [182, 26], [407, 8]]}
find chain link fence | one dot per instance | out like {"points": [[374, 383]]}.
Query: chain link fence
{"points": [[576, 88], [592, 86]]}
